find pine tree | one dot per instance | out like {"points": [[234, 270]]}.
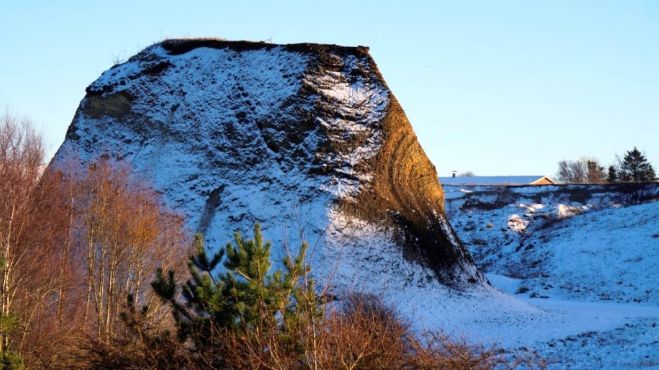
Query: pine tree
{"points": [[11, 361], [612, 177], [205, 304], [636, 168], [245, 297]]}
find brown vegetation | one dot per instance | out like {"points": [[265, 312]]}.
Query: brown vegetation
{"points": [[125, 237], [79, 248], [360, 332], [582, 171], [250, 318], [72, 248], [34, 216]]}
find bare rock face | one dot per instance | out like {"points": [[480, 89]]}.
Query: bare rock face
{"points": [[306, 139]]}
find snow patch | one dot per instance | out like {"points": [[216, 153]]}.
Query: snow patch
{"points": [[517, 224]]}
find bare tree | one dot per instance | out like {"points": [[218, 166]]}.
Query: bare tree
{"points": [[73, 244], [21, 157], [29, 232], [571, 172], [594, 172], [582, 171], [125, 237]]}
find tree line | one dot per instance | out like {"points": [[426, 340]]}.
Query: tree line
{"points": [[73, 242], [96, 274], [633, 167]]}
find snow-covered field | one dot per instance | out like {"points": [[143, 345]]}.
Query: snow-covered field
{"points": [[578, 271]]}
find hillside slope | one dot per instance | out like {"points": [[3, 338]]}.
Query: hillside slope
{"points": [[306, 139], [590, 252]]}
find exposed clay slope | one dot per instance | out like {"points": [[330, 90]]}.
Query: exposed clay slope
{"points": [[305, 138], [405, 188]]}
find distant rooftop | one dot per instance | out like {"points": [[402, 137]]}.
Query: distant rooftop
{"points": [[490, 180]]}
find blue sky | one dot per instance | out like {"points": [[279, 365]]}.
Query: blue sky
{"points": [[495, 87]]}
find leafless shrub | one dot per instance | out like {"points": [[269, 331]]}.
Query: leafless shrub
{"points": [[72, 248], [361, 332], [124, 236], [582, 171], [364, 333]]}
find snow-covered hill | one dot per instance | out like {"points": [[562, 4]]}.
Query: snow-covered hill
{"points": [[588, 252], [306, 139]]}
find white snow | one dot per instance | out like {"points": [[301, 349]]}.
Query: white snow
{"points": [[489, 180], [190, 142], [591, 266], [504, 283], [517, 224], [188, 118]]}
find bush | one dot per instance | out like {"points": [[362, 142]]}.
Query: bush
{"points": [[11, 361], [250, 318], [582, 171]]}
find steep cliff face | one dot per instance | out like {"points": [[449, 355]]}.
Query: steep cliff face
{"points": [[305, 138]]}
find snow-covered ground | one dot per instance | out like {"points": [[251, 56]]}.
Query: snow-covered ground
{"points": [[233, 136], [578, 271]]}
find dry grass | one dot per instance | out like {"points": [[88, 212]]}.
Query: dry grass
{"points": [[359, 333]]}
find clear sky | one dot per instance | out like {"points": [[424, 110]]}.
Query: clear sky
{"points": [[495, 87]]}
